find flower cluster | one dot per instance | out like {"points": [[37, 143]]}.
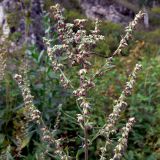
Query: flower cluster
{"points": [[56, 65], [129, 31], [75, 45], [123, 43], [122, 142], [32, 114], [119, 108], [121, 104]]}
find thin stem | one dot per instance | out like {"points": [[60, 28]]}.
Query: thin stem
{"points": [[96, 135], [104, 150], [67, 80], [86, 142]]}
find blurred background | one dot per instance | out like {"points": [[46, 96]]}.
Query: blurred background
{"points": [[26, 22]]}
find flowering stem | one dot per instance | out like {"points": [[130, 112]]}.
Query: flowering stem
{"points": [[103, 151]]}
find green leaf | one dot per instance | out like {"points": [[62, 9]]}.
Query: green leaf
{"points": [[40, 56]]}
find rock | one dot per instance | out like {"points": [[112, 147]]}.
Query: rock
{"points": [[3, 22], [106, 10], [16, 14]]}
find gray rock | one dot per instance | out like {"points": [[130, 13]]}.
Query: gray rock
{"points": [[32, 11], [106, 10]]}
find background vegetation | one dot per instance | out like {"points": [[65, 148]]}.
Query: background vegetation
{"points": [[49, 96]]}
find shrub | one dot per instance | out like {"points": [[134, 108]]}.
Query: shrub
{"points": [[70, 58]]}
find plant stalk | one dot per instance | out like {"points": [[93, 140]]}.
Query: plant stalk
{"points": [[86, 142]]}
